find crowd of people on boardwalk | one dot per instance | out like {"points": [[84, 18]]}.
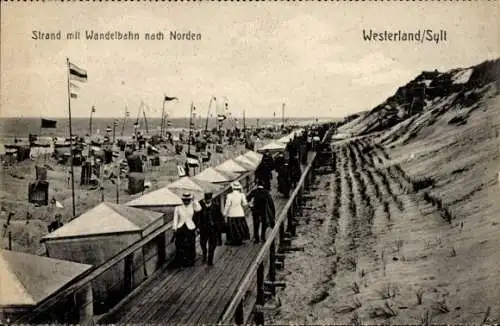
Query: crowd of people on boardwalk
{"points": [[210, 221]]}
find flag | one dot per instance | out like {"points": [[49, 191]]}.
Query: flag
{"points": [[76, 73], [221, 117], [93, 109], [46, 123], [127, 114], [116, 123], [72, 90], [168, 98]]}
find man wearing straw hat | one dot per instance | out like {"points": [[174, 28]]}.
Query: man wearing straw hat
{"points": [[185, 231]]}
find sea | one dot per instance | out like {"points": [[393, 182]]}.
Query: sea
{"points": [[21, 127]]}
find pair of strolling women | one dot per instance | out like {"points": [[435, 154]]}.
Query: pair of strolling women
{"points": [[207, 218]]}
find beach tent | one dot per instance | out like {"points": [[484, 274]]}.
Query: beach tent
{"points": [[213, 176], [232, 167], [253, 156], [245, 162], [29, 279], [273, 147], [106, 219], [99, 234], [186, 184], [156, 200], [285, 139]]}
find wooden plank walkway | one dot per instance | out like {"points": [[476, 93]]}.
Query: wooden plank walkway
{"points": [[193, 295]]}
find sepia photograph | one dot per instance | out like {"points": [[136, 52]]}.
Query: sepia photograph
{"points": [[250, 163]]}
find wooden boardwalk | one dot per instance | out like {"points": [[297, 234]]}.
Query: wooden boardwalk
{"points": [[193, 295]]}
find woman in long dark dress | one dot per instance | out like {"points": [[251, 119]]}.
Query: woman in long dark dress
{"points": [[185, 231], [237, 227]]}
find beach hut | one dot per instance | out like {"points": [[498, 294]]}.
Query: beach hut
{"points": [[242, 169], [232, 167], [214, 176], [246, 162], [285, 139], [99, 234], [27, 280], [253, 156], [197, 187], [273, 147], [162, 200]]}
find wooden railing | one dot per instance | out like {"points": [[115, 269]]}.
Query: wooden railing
{"points": [[264, 264], [50, 309], [77, 301]]}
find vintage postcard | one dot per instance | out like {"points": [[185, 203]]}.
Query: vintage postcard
{"points": [[270, 162]]}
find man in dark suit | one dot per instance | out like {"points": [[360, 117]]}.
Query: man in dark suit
{"points": [[263, 210], [210, 224], [265, 169]]}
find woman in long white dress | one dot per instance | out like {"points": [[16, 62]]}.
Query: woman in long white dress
{"points": [[237, 227]]}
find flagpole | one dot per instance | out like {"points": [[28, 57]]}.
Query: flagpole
{"points": [[114, 128], [190, 121], [124, 120], [244, 123], [162, 118], [90, 123], [283, 114], [71, 145]]}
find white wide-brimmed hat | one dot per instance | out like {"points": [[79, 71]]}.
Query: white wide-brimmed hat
{"points": [[187, 196], [236, 185]]}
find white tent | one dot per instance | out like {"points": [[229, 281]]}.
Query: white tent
{"points": [[273, 147], [253, 156], [285, 139], [107, 218], [245, 162], [160, 197], [29, 279], [231, 166], [196, 187], [214, 176]]}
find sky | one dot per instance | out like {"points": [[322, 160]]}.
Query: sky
{"points": [[309, 55]]}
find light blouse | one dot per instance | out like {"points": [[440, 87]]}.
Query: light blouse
{"points": [[235, 202], [184, 214]]}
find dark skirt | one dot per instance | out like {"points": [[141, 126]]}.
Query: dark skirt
{"points": [[185, 247], [237, 230]]}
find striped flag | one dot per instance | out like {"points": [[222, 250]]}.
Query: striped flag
{"points": [[76, 73], [116, 123], [93, 109]]}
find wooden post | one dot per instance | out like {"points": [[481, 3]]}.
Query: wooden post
{"points": [[282, 232], [289, 217], [238, 314], [10, 240], [161, 244], [128, 278], [86, 304], [259, 315], [272, 265]]}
